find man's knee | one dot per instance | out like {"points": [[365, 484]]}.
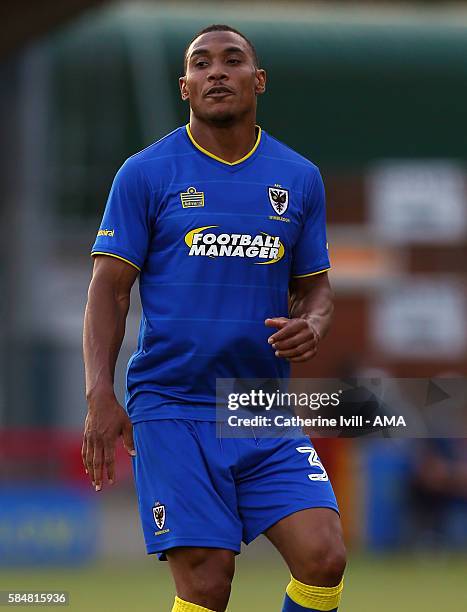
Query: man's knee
{"points": [[209, 586], [322, 561], [202, 575]]}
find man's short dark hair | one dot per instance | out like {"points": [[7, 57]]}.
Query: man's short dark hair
{"points": [[217, 27]]}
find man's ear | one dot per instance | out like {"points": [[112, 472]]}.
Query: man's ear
{"points": [[260, 81], [183, 88]]}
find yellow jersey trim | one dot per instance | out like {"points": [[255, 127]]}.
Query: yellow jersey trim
{"points": [[209, 154], [117, 257], [310, 274], [318, 598]]}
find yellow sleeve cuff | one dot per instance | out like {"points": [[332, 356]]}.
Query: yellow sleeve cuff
{"points": [[117, 257], [310, 274]]}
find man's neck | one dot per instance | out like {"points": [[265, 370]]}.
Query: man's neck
{"points": [[229, 142]]}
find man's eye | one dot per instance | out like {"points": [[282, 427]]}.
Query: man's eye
{"points": [[200, 64], [233, 60]]}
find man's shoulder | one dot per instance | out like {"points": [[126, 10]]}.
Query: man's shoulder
{"points": [[150, 165], [168, 146], [277, 149]]}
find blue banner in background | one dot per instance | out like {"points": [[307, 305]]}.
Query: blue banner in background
{"points": [[47, 525]]}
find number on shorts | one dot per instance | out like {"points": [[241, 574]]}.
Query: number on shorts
{"points": [[314, 461]]}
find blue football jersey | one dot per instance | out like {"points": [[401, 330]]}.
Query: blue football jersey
{"points": [[216, 244]]}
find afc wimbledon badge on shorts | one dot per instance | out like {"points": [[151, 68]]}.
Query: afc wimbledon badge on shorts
{"points": [[158, 510], [192, 198], [279, 199]]}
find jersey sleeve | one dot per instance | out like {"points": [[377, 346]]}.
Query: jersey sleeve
{"points": [[311, 250], [125, 229]]}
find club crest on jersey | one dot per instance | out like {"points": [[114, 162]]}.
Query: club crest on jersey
{"points": [[279, 199], [158, 511], [192, 198]]}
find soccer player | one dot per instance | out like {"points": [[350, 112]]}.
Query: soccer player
{"points": [[221, 222]]}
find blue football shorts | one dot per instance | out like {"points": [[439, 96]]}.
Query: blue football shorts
{"points": [[196, 488]]}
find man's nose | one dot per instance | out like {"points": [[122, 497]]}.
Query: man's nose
{"points": [[217, 72]]}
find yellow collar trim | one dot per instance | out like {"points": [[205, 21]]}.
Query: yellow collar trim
{"points": [[206, 152]]}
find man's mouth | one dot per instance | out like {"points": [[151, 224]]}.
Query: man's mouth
{"points": [[218, 92]]}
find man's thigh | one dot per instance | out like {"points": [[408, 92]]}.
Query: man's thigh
{"points": [[186, 494], [285, 477]]}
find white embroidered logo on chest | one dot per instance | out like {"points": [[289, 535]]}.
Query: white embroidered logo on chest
{"points": [[279, 199]]}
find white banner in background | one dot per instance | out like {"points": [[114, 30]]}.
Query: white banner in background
{"points": [[422, 319], [418, 201]]}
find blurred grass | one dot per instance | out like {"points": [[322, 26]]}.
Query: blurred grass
{"points": [[415, 583]]}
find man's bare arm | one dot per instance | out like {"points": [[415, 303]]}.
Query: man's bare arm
{"points": [[311, 308], [104, 329]]}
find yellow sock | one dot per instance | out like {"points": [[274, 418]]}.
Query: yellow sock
{"points": [[185, 606], [315, 598]]}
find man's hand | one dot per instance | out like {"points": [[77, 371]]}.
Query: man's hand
{"points": [[106, 420], [296, 339]]}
